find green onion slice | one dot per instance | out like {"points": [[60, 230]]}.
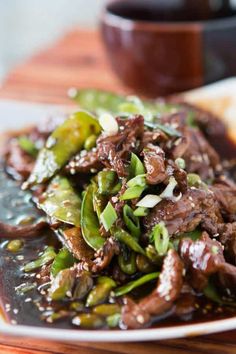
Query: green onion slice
{"points": [[108, 217]]}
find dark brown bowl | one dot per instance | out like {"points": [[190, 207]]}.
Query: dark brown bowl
{"points": [[160, 51]]}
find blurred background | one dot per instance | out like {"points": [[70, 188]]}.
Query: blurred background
{"points": [[27, 26]]}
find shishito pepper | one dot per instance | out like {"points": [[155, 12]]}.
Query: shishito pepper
{"points": [[100, 292], [64, 142]]}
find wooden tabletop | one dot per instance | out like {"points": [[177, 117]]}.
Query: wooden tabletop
{"points": [[79, 60]]}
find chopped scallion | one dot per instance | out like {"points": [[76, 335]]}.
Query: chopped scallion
{"points": [[132, 193], [160, 237], [108, 217], [136, 166]]}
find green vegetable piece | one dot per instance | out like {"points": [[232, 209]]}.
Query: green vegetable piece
{"points": [[211, 292], [108, 183], [180, 163], [83, 286], [27, 145], [62, 202], [108, 217], [25, 288], [132, 193], [62, 285], [77, 306], [143, 264], [141, 212], [48, 255], [194, 235], [107, 310], [90, 142], [89, 221], [153, 256], [99, 202], [97, 101], [136, 166], [131, 221], [160, 237], [14, 246], [64, 142], [194, 179], [167, 129], [114, 320], [127, 288], [128, 240], [100, 292], [63, 260], [139, 180], [89, 321], [128, 266]]}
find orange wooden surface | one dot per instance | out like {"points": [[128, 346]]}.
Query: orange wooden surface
{"points": [[79, 60]]}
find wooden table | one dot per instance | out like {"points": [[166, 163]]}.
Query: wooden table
{"points": [[78, 60]]}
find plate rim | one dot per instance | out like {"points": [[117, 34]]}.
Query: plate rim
{"points": [[151, 334], [77, 335]]}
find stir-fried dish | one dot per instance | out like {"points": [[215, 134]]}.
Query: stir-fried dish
{"points": [[135, 218]]}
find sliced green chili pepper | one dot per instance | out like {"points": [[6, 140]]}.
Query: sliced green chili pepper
{"points": [[108, 216], [107, 310], [27, 145], [48, 255], [128, 240], [153, 256], [131, 221], [160, 237], [128, 266], [89, 221], [63, 260], [127, 288], [62, 285], [88, 321], [64, 142], [100, 292], [62, 202], [136, 167], [108, 183]]}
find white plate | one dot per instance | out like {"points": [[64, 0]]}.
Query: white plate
{"points": [[14, 115]]}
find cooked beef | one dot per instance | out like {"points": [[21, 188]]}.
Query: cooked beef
{"points": [[161, 299], [203, 258], [74, 241], [227, 236], [196, 207], [153, 137], [225, 193], [114, 151], [154, 161], [105, 254], [29, 231], [18, 161], [86, 162]]}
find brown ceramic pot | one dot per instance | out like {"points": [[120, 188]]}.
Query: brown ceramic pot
{"points": [[158, 49]]}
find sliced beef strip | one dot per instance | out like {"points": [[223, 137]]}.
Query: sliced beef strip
{"points": [[154, 161], [199, 155], [205, 257], [225, 193], [161, 299], [87, 162], [227, 236], [197, 206], [114, 151]]}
